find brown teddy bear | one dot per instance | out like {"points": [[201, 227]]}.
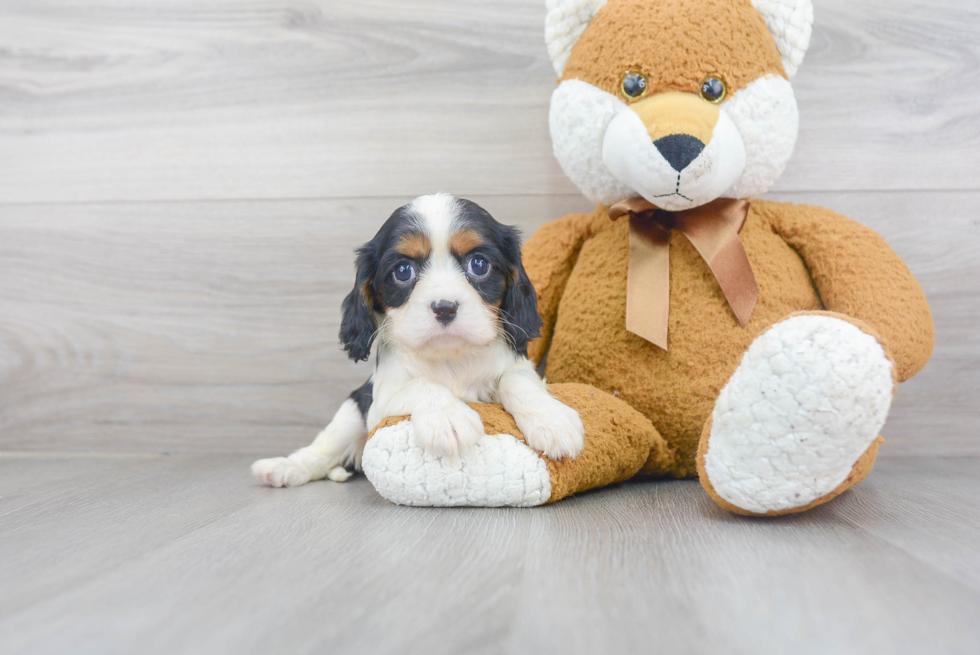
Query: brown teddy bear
{"points": [[754, 344]]}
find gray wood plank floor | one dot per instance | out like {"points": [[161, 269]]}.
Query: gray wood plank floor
{"points": [[186, 554]]}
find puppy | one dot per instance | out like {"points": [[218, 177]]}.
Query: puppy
{"points": [[442, 290]]}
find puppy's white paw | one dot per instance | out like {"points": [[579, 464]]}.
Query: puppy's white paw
{"points": [[447, 430], [552, 428], [280, 472], [338, 474]]}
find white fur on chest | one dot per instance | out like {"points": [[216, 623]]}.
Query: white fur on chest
{"points": [[471, 375]]}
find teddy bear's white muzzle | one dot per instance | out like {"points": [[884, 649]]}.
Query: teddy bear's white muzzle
{"points": [[606, 150], [678, 172]]}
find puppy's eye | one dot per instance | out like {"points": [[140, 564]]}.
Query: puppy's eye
{"points": [[404, 273], [634, 85], [478, 267], [713, 90]]}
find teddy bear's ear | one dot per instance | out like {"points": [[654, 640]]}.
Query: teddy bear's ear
{"points": [[789, 21], [566, 21], [791, 24]]}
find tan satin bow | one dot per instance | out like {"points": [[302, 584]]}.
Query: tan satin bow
{"points": [[713, 230]]}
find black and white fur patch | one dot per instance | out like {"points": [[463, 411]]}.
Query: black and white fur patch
{"points": [[440, 238], [442, 291]]}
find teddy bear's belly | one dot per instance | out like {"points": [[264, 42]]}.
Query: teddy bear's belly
{"points": [[676, 389]]}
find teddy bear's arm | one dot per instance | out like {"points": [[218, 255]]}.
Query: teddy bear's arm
{"points": [[858, 274], [549, 257]]}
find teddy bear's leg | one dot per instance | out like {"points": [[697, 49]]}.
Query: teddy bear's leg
{"points": [[502, 470], [798, 422]]}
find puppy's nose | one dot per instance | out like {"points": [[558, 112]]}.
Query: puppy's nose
{"points": [[445, 311], [679, 150]]}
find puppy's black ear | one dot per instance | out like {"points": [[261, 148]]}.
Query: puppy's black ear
{"points": [[357, 327], [519, 308]]}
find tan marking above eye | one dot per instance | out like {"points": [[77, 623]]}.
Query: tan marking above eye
{"points": [[415, 246], [463, 241]]}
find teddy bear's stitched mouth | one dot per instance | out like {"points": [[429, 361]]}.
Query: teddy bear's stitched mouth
{"points": [[675, 192]]}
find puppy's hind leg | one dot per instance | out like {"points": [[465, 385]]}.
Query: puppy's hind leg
{"points": [[340, 443]]}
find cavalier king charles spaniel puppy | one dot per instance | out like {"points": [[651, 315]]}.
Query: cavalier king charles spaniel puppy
{"points": [[442, 291]]}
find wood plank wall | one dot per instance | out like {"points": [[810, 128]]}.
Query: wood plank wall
{"points": [[182, 184]]}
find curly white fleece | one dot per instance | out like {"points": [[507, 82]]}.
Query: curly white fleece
{"points": [[767, 117], [789, 21], [808, 399], [499, 471], [564, 24], [791, 24], [580, 115]]}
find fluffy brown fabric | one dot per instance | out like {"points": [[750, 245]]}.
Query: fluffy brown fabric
{"points": [[584, 309], [620, 440], [805, 259], [556, 249], [644, 408], [676, 44], [857, 274]]}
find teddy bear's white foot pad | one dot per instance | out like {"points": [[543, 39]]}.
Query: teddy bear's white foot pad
{"points": [[808, 399], [499, 471]]}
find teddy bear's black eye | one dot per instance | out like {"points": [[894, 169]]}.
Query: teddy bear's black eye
{"points": [[634, 85], [713, 90]]}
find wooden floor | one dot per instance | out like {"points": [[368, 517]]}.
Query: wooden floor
{"points": [[186, 554]]}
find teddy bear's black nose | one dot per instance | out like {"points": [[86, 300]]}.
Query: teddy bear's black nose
{"points": [[679, 150]]}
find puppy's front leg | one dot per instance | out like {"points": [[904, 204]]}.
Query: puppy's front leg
{"points": [[442, 424], [549, 426]]}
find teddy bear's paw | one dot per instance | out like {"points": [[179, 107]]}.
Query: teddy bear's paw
{"points": [[497, 471], [807, 401]]}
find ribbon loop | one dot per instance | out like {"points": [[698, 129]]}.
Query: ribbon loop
{"points": [[713, 230]]}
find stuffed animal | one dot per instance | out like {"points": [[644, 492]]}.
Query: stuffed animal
{"points": [[698, 331]]}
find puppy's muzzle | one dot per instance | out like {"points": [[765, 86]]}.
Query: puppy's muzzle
{"points": [[445, 311]]}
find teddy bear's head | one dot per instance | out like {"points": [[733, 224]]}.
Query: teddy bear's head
{"points": [[681, 102]]}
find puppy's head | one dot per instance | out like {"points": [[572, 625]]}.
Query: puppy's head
{"points": [[440, 277]]}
